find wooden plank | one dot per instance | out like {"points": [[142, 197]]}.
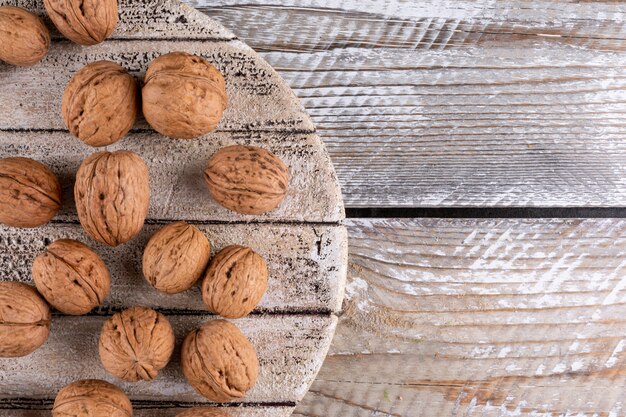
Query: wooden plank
{"points": [[514, 103], [178, 189], [147, 19], [153, 411], [470, 317], [316, 25], [288, 347], [305, 270], [258, 97]]}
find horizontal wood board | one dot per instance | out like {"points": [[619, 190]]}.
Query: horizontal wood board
{"points": [[303, 241], [465, 317], [446, 103]]}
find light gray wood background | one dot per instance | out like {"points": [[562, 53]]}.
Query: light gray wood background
{"points": [[435, 103]]}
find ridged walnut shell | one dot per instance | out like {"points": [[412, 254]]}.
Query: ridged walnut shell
{"points": [[91, 398], [100, 103], [247, 179], [219, 361], [112, 194], [204, 412], [24, 38], [30, 194], [86, 22], [183, 95], [24, 319], [136, 344], [176, 257], [71, 277], [234, 282]]}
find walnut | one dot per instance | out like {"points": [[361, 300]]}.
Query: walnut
{"points": [[136, 344], [235, 282], [71, 277], [112, 194], [100, 103], [204, 412], [175, 257], [91, 398], [219, 361], [247, 179], [24, 38], [30, 194], [24, 319], [86, 22], [183, 95]]}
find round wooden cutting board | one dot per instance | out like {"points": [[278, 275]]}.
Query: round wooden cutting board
{"points": [[303, 240]]}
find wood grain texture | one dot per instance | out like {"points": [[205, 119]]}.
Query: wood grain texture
{"points": [[302, 240], [287, 347], [178, 188], [465, 317], [441, 103], [305, 271]]}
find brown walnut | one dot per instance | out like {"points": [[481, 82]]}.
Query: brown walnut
{"points": [[112, 194], [71, 277], [24, 319], [30, 194], [183, 95], [100, 103], [204, 412], [91, 398], [86, 22], [247, 179], [136, 344], [24, 38], [219, 361], [175, 257], [235, 282]]}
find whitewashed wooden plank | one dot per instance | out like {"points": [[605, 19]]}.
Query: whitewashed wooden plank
{"points": [[153, 411], [147, 19], [290, 350], [480, 127], [307, 269], [178, 189], [467, 317], [318, 25], [258, 98]]}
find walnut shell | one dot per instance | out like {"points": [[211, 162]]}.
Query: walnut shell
{"points": [[24, 319], [86, 22], [219, 361], [112, 194], [30, 194], [175, 257], [183, 95], [235, 282], [247, 179], [91, 398], [204, 412], [136, 344], [71, 277], [100, 103], [24, 38]]}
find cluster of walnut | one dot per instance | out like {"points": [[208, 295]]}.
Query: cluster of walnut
{"points": [[184, 97]]}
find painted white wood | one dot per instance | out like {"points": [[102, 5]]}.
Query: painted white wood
{"points": [[466, 317], [288, 347], [302, 240]]}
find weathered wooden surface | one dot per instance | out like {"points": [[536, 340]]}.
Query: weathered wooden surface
{"points": [[303, 241], [486, 317], [454, 103], [306, 270]]}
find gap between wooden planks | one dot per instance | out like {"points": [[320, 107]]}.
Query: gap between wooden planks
{"points": [[479, 317], [430, 103]]}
